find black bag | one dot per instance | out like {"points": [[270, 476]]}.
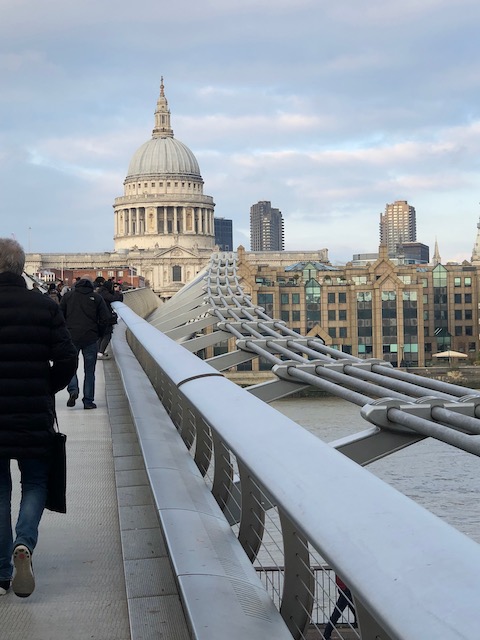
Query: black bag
{"points": [[57, 477]]}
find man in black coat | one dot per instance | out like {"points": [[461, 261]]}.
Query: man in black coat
{"points": [[37, 359], [86, 315]]}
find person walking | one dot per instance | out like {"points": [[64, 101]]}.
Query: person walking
{"points": [[110, 293], [344, 600], [37, 359], [86, 315], [53, 293]]}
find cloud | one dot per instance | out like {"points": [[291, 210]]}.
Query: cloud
{"points": [[329, 110]]}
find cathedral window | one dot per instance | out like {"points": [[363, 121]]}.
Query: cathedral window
{"points": [[177, 273]]}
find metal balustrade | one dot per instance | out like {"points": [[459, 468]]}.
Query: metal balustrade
{"points": [[294, 501]]}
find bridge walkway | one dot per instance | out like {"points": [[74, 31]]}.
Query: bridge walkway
{"points": [[101, 569]]}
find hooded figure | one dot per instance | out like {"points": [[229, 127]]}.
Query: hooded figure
{"points": [[86, 315]]}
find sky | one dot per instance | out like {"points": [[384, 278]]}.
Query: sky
{"points": [[330, 110]]}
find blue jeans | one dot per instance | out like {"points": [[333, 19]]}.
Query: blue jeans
{"points": [[89, 363], [34, 479]]}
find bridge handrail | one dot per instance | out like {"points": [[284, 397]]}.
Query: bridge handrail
{"points": [[413, 575]]}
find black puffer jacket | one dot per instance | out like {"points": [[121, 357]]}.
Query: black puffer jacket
{"points": [[85, 313], [37, 359]]}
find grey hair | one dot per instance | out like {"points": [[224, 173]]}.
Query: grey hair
{"points": [[12, 256]]}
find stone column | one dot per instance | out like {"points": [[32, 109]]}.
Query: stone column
{"points": [[165, 226], [175, 222], [137, 218], [130, 222]]}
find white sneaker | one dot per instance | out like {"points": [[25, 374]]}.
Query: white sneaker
{"points": [[4, 587], [23, 583], [99, 355]]}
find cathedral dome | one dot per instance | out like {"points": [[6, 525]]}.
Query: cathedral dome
{"points": [[163, 156]]}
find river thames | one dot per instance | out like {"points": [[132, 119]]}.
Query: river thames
{"points": [[444, 480]]}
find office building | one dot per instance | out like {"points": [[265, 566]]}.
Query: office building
{"points": [[400, 313], [223, 234], [398, 225], [266, 227]]}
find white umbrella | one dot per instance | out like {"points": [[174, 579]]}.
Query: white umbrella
{"points": [[450, 354]]}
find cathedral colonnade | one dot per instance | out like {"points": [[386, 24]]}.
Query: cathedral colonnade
{"points": [[163, 220]]}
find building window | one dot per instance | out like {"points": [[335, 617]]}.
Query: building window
{"points": [[342, 298], [342, 314], [342, 332], [364, 296], [332, 315], [457, 282], [458, 331], [284, 298], [468, 298], [331, 298], [468, 282], [458, 314], [295, 298], [457, 298], [469, 331], [111, 274], [296, 316], [312, 291], [285, 316], [177, 273], [332, 332], [468, 314]]}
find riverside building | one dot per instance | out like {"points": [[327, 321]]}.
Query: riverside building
{"points": [[402, 314]]}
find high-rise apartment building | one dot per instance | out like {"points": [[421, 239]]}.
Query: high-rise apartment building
{"points": [[266, 227], [398, 225]]}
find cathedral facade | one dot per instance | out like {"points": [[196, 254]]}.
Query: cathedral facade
{"points": [[163, 223]]}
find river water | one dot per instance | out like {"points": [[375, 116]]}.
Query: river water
{"points": [[444, 480]]}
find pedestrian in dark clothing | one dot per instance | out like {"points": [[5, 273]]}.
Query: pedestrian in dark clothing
{"points": [[109, 294], [86, 315], [344, 600], [53, 293], [37, 359], [98, 283]]}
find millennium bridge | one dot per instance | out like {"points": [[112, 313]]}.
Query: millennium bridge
{"points": [[196, 510]]}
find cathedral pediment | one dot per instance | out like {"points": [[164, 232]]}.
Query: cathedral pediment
{"points": [[176, 252]]}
